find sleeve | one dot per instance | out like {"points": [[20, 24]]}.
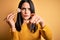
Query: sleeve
{"points": [[46, 33], [14, 35]]}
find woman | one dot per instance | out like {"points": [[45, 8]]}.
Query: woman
{"points": [[28, 26]]}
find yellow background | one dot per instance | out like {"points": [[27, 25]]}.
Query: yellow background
{"points": [[49, 10]]}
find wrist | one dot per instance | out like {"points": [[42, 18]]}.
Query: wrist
{"points": [[13, 28]]}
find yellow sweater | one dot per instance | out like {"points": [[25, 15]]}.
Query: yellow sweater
{"points": [[26, 34]]}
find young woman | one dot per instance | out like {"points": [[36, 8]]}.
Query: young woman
{"points": [[28, 26]]}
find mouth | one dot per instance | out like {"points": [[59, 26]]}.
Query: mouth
{"points": [[25, 15]]}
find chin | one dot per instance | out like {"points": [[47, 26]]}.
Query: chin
{"points": [[26, 18]]}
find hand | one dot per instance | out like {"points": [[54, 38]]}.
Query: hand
{"points": [[37, 19], [10, 20], [10, 17]]}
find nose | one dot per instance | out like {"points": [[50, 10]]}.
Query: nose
{"points": [[26, 11]]}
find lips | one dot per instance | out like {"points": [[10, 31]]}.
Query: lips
{"points": [[25, 15]]}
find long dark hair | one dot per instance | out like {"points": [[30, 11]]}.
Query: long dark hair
{"points": [[19, 20]]}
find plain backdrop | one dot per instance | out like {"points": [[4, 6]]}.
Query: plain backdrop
{"points": [[49, 10]]}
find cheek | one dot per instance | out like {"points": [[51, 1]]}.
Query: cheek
{"points": [[22, 11], [29, 13]]}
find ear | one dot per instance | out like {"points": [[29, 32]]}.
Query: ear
{"points": [[19, 10]]}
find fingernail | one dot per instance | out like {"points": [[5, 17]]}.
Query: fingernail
{"points": [[19, 10], [34, 22]]}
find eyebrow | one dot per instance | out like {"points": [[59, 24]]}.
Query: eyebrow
{"points": [[25, 8]]}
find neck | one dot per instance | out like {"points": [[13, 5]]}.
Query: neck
{"points": [[26, 21]]}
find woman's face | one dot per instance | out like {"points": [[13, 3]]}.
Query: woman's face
{"points": [[25, 10]]}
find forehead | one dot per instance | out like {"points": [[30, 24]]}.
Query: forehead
{"points": [[25, 5]]}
